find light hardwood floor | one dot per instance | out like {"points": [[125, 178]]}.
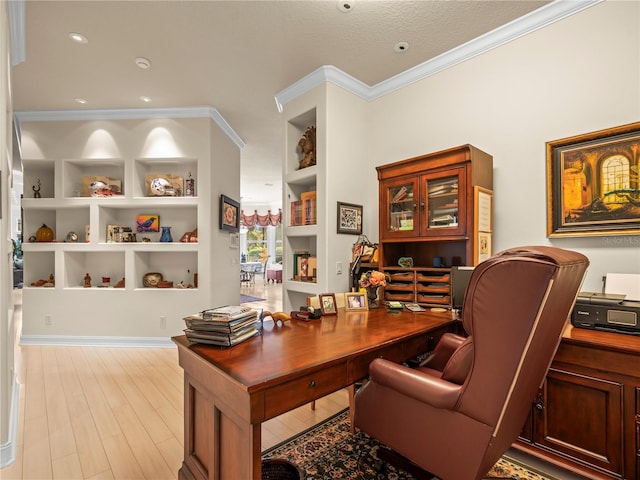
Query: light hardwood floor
{"points": [[117, 413]]}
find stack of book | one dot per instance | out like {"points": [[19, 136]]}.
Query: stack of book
{"points": [[224, 326]]}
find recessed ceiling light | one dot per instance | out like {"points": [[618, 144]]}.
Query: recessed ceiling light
{"points": [[78, 37], [401, 47], [346, 5], [80, 100], [143, 63], [145, 98]]}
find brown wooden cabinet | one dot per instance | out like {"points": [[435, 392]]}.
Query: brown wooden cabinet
{"points": [[428, 208], [587, 415]]}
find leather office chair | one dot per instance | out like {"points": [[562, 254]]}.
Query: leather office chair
{"points": [[456, 415]]}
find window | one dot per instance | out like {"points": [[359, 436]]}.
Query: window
{"points": [[615, 177]]}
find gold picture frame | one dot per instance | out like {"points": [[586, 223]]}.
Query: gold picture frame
{"points": [[355, 302], [593, 183]]}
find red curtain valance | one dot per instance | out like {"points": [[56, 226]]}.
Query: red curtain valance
{"points": [[273, 219]]}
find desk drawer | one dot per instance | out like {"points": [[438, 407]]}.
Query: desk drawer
{"points": [[286, 396]]}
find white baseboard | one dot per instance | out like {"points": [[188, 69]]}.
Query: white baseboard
{"points": [[8, 450], [79, 341]]}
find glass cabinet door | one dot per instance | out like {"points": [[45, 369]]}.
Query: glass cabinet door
{"points": [[445, 205], [400, 217]]}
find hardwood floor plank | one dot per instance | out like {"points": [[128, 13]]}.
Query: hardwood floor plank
{"points": [[148, 456], [67, 468], [62, 441], [36, 462], [152, 422], [123, 462]]}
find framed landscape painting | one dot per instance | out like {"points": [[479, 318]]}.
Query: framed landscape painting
{"points": [[593, 184]]}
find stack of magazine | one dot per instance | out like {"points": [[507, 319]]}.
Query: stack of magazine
{"points": [[225, 326]]}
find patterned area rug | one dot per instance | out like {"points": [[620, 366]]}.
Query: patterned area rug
{"points": [[329, 451], [248, 298]]}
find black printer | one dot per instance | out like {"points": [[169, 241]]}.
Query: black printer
{"points": [[606, 312]]}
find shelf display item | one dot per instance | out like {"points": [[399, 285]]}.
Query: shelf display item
{"points": [[44, 234], [152, 279], [87, 281], [100, 186], [72, 237], [190, 186], [166, 235], [163, 185], [307, 145], [148, 223], [36, 189]]}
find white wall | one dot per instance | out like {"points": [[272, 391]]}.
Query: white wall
{"points": [[7, 377], [575, 76]]}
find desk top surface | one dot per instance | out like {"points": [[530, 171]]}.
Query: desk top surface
{"points": [[284, 349]]}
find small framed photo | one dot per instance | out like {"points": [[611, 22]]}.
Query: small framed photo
{"points": [[328, 304], [349, 218], [147, 223], [355, 301], [229, 214]]}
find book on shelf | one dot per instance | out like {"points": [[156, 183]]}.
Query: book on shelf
{"points": [[296, 213], [400, 194], [308, 207]]}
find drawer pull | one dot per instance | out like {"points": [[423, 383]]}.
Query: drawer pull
{"points": [[312, 383]]}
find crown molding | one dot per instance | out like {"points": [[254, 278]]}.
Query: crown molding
{"points": [[17, 30], [130, 114], [531, 22]]}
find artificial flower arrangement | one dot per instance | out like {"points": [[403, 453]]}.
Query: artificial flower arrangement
{"points": [[373, 278]]}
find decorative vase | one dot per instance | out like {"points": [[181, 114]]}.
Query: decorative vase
{"points": [[166, 235], [372, 296]]}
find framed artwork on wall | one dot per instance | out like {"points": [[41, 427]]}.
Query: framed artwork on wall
{"points": [[229, 214], [593, 183], [349, 218]]}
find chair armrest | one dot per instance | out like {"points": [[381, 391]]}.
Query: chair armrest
{"points": [[445, 347], [415, 384]]}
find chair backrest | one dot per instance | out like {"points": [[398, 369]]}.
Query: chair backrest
{"points": [[515, 310]]}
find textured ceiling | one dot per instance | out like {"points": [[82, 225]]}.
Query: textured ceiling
{"points": [[234, 56]]}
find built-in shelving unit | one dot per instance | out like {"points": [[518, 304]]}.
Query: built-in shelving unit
{"points": [[59, 158], [88, 217], [337, 117]]}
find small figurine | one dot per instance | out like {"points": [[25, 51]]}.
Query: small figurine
{"points": [[87, 281], [120, 284], [189, 187], [308, 146], [36, 189]]}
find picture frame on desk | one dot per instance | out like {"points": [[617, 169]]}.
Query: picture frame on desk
{"points": [[328, 305], [355, 302], [592, 183], [229, 214], [349, 218]]}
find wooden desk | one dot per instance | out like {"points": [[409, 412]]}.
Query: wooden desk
{"points": [[230, 392]]}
